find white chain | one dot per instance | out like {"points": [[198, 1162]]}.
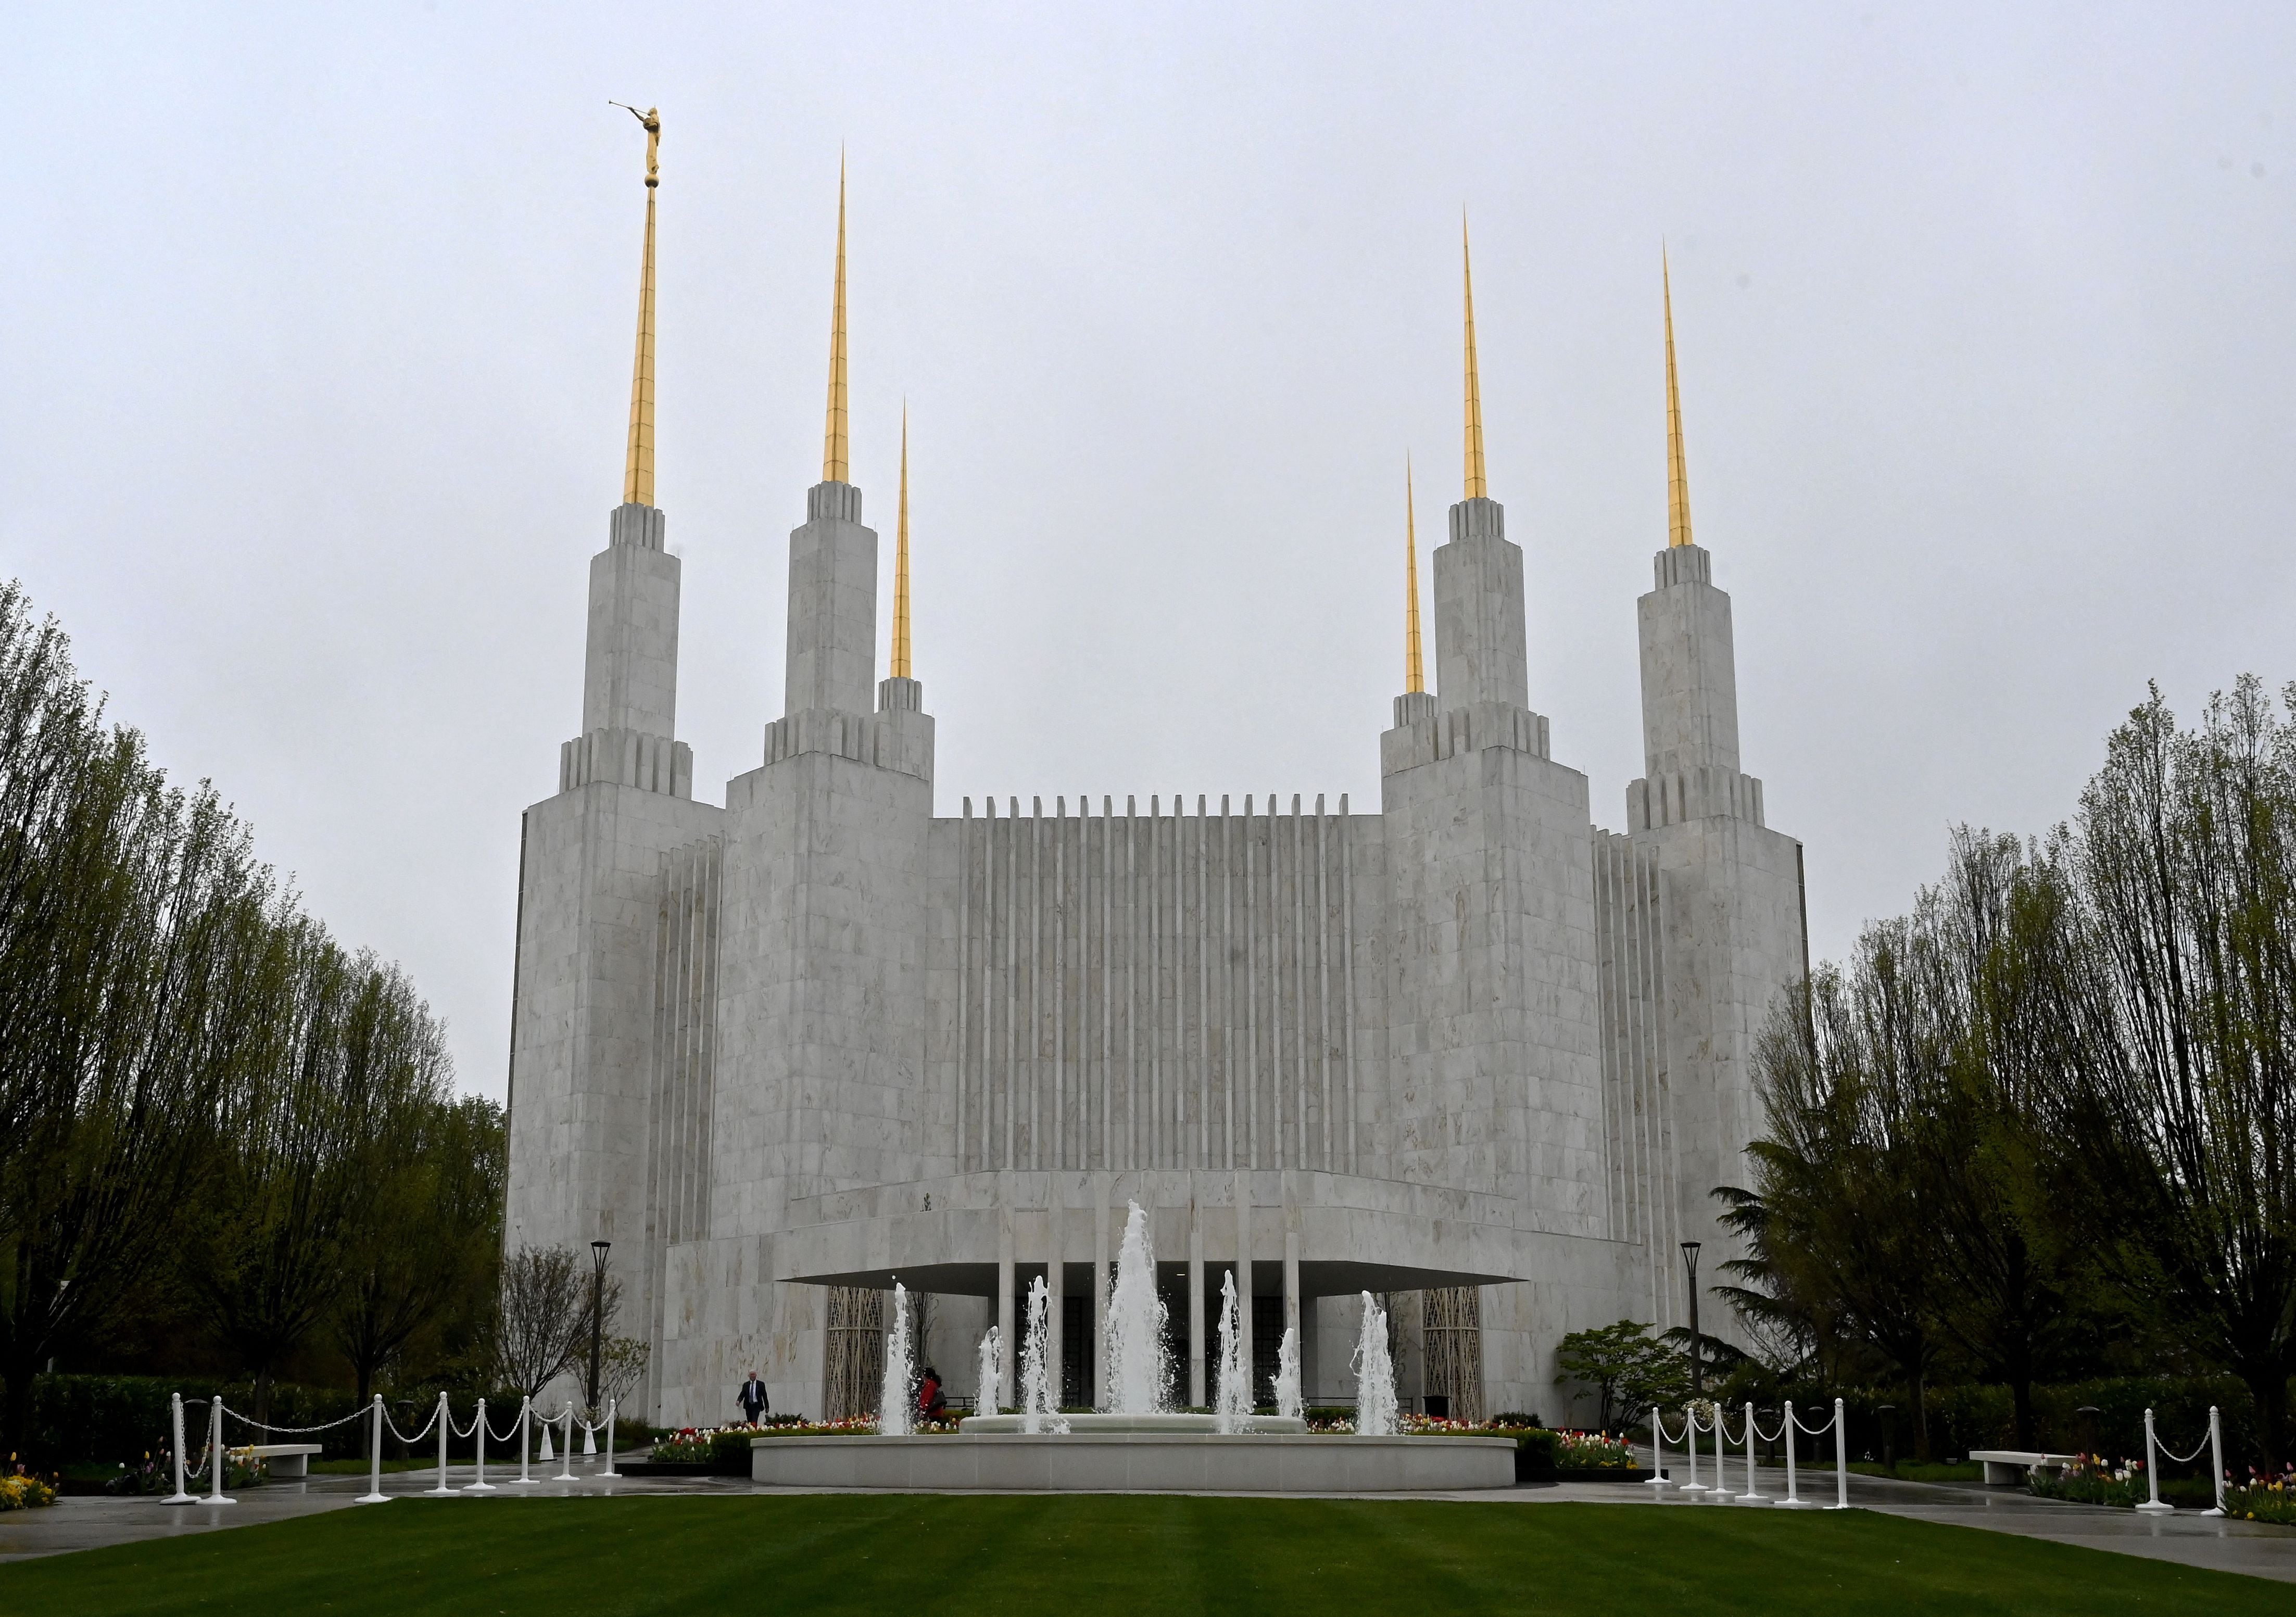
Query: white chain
{"points": [[419, 1436], [2180, 1459], [356, 1415]]}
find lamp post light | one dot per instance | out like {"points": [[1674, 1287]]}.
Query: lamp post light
{"points": [[598, 1250], [1697, 1346]]}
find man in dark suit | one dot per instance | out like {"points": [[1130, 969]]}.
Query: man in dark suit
{"points": [[754, 1401]]}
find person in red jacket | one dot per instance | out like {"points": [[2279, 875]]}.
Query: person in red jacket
{"points": [[931, 1403]]}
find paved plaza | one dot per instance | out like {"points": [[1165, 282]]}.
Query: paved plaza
{"points": [[2186, 1537]]}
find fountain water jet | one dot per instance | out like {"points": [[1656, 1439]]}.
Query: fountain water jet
{"points": [[1039, 1404], [1135, 1325], [1232, 1397], [992, 1371], [1374, 1370], [893, 1399], [1287, 1375]]}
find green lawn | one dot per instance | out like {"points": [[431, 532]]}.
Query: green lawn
{"points": [[1104, 1557], [1921, 1471]]}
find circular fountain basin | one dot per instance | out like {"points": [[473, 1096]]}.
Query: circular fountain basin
{"points": [[1140, 1459], [1087, 1426]]}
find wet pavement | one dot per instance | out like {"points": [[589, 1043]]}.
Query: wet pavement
{"points": [[2186, 1536]]}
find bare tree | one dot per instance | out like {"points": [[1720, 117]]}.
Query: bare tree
{"points": [[542, 1318]]}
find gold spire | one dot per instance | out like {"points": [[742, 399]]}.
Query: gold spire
{"points": [[1415, 671], [836, 455], [901, 563], [637, 475], [1477, 488], [1678, 476]]}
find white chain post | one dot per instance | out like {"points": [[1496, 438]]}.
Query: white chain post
{"points": [[1690, 1445], [2152, 1505], [1721, 1452], [2216, 1459], [1841, 1460], [374, 1494], [481, 1485], [1793, 1500], [566, 1460], [611, 1405], [443, 1420], [525, 1413], [1752, 1494], [1658, 1452], [176, 1420], [215, 1451]]}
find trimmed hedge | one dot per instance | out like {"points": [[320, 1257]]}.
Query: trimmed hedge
{"points": [[111, 1419], [1966, 1417]]}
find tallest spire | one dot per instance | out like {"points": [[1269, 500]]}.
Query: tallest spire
{"points": [[1477, 488], [637, 474], [1677, 474], [836, 455]]}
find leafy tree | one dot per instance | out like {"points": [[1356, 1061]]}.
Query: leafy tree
{"points": [[129, 909], [2180, 1110], [425, 1239], [1629, 1370]]}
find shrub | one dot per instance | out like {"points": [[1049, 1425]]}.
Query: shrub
{"points": [[79, 1420]]}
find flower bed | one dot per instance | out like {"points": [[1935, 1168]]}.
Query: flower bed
{"points": [[2264, 1499], [2089, 1480], [1592, 1451], [25, 1493]]}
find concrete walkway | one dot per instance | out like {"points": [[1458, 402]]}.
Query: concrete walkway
{"points": [[2187, 1538]]}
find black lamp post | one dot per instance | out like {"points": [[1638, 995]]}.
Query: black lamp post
{"points": [[1697, 1345], [598, 1250]]}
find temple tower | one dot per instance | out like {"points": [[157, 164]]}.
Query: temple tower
{"points": [[581, 1078], [1735, 938], [821, 1008], [1494, 1067]]}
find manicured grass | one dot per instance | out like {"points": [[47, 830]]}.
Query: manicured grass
{"points": [[1104, 1557]]}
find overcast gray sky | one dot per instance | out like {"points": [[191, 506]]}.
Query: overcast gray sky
{"points": [[317, 335]]}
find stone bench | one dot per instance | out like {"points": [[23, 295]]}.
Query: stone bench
{"points": [[286, 1459], [2016, 1464]]}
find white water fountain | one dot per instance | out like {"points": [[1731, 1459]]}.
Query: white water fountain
{"points": [[992, 1370], [1232, 1391], [1288, 1402], [1374, 1369], [1138, 1443], [893, 1404], [1040, 1408], [1135, 1325]]}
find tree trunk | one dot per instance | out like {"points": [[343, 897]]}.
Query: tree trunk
{"points": [[263, 1396], [1921, 1416], [16, 1433], [2268, 1385], [2020, 1396]]}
